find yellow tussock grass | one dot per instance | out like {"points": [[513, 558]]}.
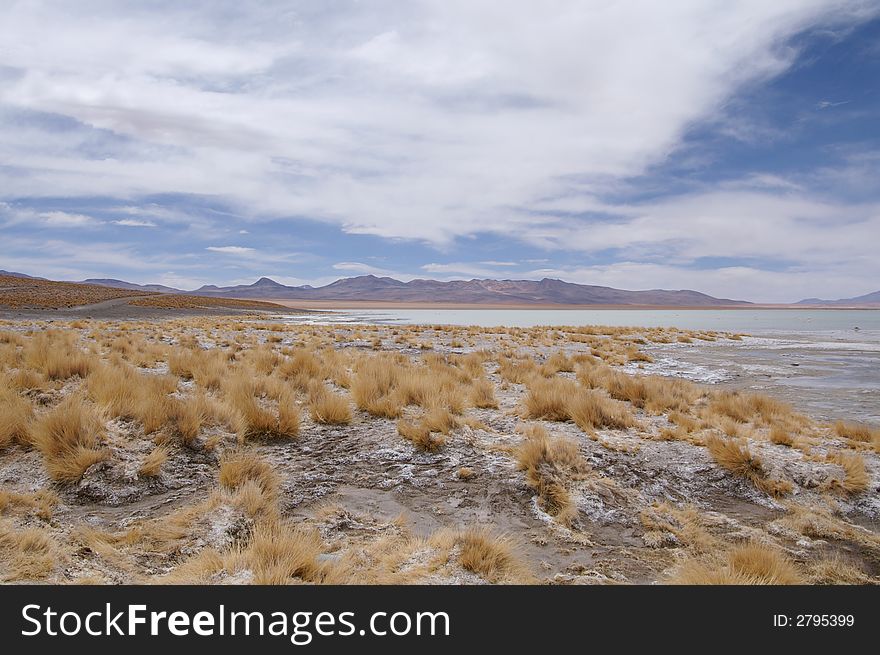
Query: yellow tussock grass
{"points": [[328, 407], [491, 556], [239, 468], [855, 475], [550, 463], [16, 414], [152, 464], [591, 409], [735, 456], [748, 564], [70, 439]]}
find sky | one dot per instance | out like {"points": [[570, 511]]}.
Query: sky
{"points": [[731, 147]]}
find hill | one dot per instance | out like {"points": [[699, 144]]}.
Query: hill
{"points": [[486, 291], [867, 300]]}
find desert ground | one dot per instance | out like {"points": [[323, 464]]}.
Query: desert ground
{"points": [[182, 445]]}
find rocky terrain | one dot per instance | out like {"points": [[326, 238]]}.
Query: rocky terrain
{"points": [[237, 450]]}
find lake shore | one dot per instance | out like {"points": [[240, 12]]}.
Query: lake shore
{"points": [[381, 304]]}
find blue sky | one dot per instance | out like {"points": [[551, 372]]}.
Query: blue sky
{"points": [[728, 147]]}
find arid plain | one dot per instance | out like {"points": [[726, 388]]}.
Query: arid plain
{"points": [[164, 440]]}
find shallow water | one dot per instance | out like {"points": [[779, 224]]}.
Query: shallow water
{"points": [[825, 362], [736, 320], [824, 374]]}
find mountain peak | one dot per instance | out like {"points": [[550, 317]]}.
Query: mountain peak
{"points": [[266, 281]]}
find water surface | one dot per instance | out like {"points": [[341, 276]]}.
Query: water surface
{"points": [[824, 361]]}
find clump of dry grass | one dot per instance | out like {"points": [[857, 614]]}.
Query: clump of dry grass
{"points": [[152, 464], [465, 473], [820, 523], [374, 385], [743, 407], [116, 388], [550, 463], [122, 392], [550, 399], [735, 456], [238, 468], [687, 524], [635, 355], [254, 420], [301, 369], [439, 419], [859, 433], [516, 371], [559, 399], [483, 394], [490, 556], [855, 475], [41, 502], [26, 554], [186, 417], [748, 564], [420, 435], [651, 393], [329, 408], [278, 554], [837, 570], [856, 431], [69, 438], [559, 362], [57, 355], [591, 409], [16, 414], [781, 436]]}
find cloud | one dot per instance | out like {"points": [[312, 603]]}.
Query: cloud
{"points": [[463, 268], [65, 219], [231, 250], [23, 216], [736, 223], [316, 113], [435, 121], [367, 269], [734, 282], [131, 222]]}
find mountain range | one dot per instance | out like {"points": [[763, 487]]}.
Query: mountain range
{"points": [[859, 301], [385, 289], [486, 291]]}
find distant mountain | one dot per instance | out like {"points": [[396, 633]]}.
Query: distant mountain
{"points": [[869, 299], [546, 291], [262, 288], [122, 284], [14, 274], [386, 289]]}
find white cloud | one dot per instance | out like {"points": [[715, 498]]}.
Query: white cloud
{"points": [[734, 282], [431, 120], [65, 219], [457, 269], [231, 250], [131, 222], [726, 224], [48, 219], [425, 121], [367, 269]]}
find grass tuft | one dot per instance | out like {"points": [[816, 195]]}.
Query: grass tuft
{"points": [[70, 439]]}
